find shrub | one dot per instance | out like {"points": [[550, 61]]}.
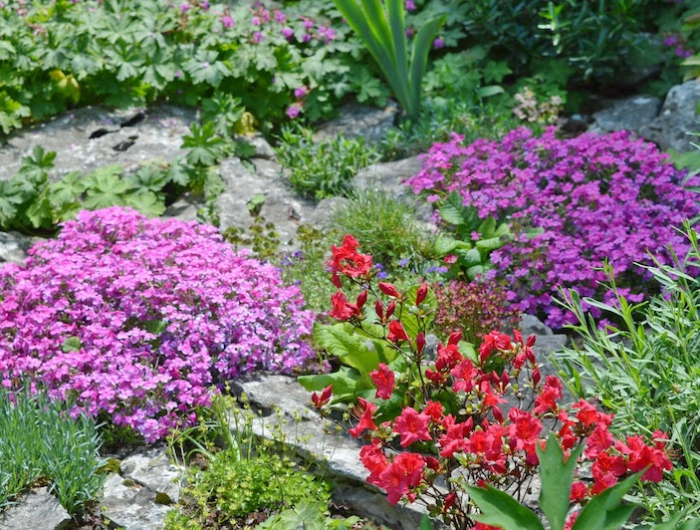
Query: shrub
{"points": [[646, 370], [593, 198], [474, 308], [473, 418], [137, 317], [38, 440]]}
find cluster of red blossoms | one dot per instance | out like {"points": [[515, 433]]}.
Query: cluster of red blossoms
{"points": [[480, 416]]}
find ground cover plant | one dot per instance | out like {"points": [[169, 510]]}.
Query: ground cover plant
{"points": [[40, 441], [137, 318], [645, 368], [476, 421], [231, 58], [591, 198]]}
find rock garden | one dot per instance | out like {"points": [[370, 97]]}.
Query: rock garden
{"points": [[341, 264]]}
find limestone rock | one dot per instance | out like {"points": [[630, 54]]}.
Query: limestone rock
{"points": [[184, 209], [262, 147], [629, 114], [37, 509], [14, 246], [153, 470], [130, 505], [357, 120], [678, 120], [281, 206], [284, 402], [127, 138]]}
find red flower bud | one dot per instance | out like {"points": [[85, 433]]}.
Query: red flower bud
{"points": [[379, 308], [455, 338], [388, 289], [449, 500], [361, 299], [420, 342], [325, 397], [390, 309], [536, 376], [421, 294]]}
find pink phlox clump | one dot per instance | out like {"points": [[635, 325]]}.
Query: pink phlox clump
{"points": [[612, 196], [138, 318]]}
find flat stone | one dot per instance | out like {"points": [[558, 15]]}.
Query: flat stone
{"points": [[357, 120], [630, 114], [184, 209], [153, 470], [263, 149], [37, 505], [131, 505], [14, 247], [284, 403], [282, 206], [158, 136], [678, 121]]}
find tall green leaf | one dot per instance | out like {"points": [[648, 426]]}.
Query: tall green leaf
{"points": [[556, 476], [500, 509]]}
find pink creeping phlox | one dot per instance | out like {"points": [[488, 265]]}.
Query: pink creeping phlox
{"points": [[138, 317], [611, 197]]}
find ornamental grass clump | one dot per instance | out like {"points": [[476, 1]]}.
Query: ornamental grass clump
{"points": [[138, 317], [592, 198]]}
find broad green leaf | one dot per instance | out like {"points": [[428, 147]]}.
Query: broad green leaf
{"points": [[500, 509], [489, 91], [487, 228], [344, 383], [409, 320], [425, 523], [349, 347], [146, 202], [445, 245], [490, 244], [557, 477], [470, 257], [71, 344]]}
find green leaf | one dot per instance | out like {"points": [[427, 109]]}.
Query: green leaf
{"points": [[344, 381], [71, 344], [409, 320], [445, 245], [500, 509], [425, 523], [557, 477], [146, 202], [489, 91], [470, 257], [340, 340], [490, 244]]}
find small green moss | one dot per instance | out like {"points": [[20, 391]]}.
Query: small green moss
{"points": [[128, 483], [112, 465], [164, 498]]}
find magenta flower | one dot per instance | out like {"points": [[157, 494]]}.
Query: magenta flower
{"points": [[255, 21], [438, 43], [280, 17], [410, 5], [287, 32], [227, 21], [300, 92], [294, 110], [258, 37], [137, 318]]}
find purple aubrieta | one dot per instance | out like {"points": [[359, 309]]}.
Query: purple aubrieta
{"points": [[611, 197]]}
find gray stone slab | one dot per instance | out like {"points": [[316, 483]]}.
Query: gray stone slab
{"points": [[36, 510]]}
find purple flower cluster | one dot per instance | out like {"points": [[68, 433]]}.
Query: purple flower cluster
{"points": [[137, 318], [594, 198]]}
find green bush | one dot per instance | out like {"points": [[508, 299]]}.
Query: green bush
{"points": [[38, 440], [646, 370], [321, 169]]}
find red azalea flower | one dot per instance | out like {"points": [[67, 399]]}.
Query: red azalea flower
{"points": [[599, 441], [342, 310], [493, 341], [374, 459], [412, 426], [396, 332], [366, 418], [405, 472], [579, 491], [465, 374], [324, 398], [434, 410], [454, 439], [383, 379], [346, 260], [547, 400]]}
